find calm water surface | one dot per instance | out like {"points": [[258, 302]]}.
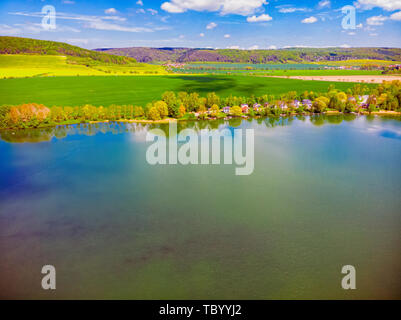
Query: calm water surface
{"points": [[325, 193]]}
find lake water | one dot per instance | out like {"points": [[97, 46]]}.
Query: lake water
{"points": [[325, 193]]}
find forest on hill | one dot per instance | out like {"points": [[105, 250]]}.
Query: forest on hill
{"points": [[16, 45], [289, 55]]}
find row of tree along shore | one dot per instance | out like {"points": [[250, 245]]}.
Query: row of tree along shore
{"points": [[191, 106]]}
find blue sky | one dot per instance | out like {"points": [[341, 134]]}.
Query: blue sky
{"points": [[206, 23]]}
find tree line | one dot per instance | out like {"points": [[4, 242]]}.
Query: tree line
{"points": [[192, 106]]}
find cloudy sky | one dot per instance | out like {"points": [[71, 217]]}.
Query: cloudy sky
{"points": [[206, 23]]}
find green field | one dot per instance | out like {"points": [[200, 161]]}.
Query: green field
{"points": [[286, 69], [47, 65], [358, 62], [282, 73], [139, 90]]}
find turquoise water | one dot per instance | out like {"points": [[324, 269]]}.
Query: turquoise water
{"points": [[325, 193]]}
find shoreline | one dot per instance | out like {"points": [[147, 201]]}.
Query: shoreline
{"points": [[172, 120]]}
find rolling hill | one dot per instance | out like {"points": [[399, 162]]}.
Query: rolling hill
{"points": [[24, 57], [290, 55], [16, 45]]}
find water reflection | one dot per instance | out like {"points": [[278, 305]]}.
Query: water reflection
{"points": [[87, 129]]}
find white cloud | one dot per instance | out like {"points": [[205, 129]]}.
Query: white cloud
{"points": [[140, 10], [324, 4], [211, 25], [227, 36], [396, 16], [262, 18], [359, 26], [109, 22], [351, 33], [139, 2], [21, 28], [66, 16], [77, 42], [373, 34], [110, 11], [388, 5], [241, 7], [376, 20], [68, 2], [345, 46], [172, 8], [106, 26], [152, 11], [234, 47], [289, 9], [255, 47], [9, 30], [309, 20], [202, 34], [272, 47], [296, 46]]}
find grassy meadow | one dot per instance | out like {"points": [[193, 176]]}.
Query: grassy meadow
{"points": [[358, 62], [283, 73], [139, 90], [295, 69], [23, 65]]}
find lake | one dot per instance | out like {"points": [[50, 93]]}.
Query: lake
{"points": [[325, 192]]}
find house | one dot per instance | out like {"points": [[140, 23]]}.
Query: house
{"points": [[283, 106], [363, 101], [244, 108], [307, 103], [226, 110], [352, 99]]}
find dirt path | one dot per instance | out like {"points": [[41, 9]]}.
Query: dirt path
{"points": [[365, 79]]}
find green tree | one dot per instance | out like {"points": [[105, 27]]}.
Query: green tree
{"points": [[212, 99], [214, 111], [193, 102], [161, 106], [171, 100], [236, 111], [138, 112], [154, 114], [181, 111], [320, 104]]}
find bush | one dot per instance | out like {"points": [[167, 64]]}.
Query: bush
{"points": [[154, 114], [236, 111], [161, 107]]}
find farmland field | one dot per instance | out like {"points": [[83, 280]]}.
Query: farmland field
{"points": [[282, 72], [47, 65], [271, 69], [139, 90], [359, 62]]}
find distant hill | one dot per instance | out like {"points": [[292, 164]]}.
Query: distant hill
{"points": [[290, 55], [23, 57], [16, 45]]}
